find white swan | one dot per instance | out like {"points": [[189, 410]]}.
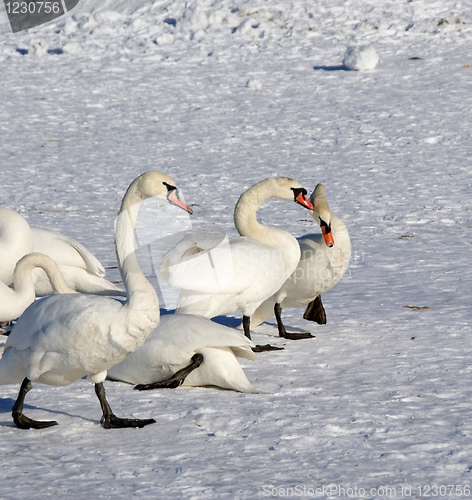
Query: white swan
{"points": [[81, 269], [191, 351], [13, 301], [62, 338], [241, 272], [324, 260]]}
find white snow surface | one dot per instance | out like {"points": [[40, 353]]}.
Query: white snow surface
{"points": [[382, 397]]}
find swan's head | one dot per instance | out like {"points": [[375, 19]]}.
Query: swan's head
{"points": [[154, 184], [322, 214], [289, 189]]}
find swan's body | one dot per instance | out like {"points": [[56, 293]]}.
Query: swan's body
{"points": [[13, 301], [62, 338], [170, 347], [323, 262], [241, 272], [82, 271]]}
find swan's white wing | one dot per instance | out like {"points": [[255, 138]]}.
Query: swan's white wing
{"points": [[192, 244], [202, 261], [65, 250], [55, 329], [179, 336], [227, 268], [43, 320], [190, 333]]}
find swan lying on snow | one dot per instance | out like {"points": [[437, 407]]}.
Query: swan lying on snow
{"points": [[323, 262], [188, 350], [62, 338], [13, 301], [82, 271], [241, 272]]}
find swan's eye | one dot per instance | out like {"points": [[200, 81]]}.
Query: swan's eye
{"points": [[172, 194], [297, 192], [327, 227]]}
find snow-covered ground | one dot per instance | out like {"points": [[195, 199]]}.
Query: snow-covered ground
{"points": [[219, 95]]}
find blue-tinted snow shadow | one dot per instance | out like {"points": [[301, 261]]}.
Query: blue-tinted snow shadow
{"points": [[222, 320], [6, 404], [227, 321], [54, 52], [341, 67]]}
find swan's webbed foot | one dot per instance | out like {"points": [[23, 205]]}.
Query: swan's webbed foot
{"points": [[110, 421], [257, 348], [22, 421], [266, 347], [282, 332], [315, 311], [177, 379], [295, 336]]}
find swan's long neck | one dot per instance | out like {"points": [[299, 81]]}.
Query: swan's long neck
{"points": [[141, 296], [23, 281], [245, 213], [245, 217], [341, 234], [15, 301]]}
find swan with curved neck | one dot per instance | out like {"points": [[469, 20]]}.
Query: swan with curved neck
{"points": [[248, 269], [82, 271], [13, 301], [323, 262], [62, 338]]}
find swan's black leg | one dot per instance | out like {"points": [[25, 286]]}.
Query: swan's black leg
{"points": [[246, 326], [5, 327], [282, 332], [176, 379], [257, 348], [22, 421], [110, 420]]}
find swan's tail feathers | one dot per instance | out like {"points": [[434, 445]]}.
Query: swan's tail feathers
{"points": [[221, 368], [315, 311], [92, 264], [245, 386], [244, 351]]}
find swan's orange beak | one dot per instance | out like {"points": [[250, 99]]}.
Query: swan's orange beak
{"points": [[328, 237], [303, 200], [174, 198]]}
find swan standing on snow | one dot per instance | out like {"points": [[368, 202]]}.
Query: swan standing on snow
{"points": [[324, 260], [62, 338], [190, 351], [243, 271], [15, 300], [82, 271]]}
